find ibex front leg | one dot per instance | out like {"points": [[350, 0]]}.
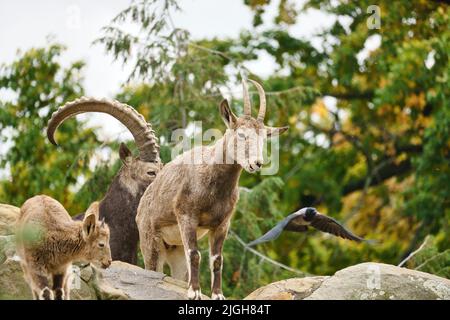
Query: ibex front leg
{"points": [[188, 230], [61, 287], [151, 244], [39, 283], [216, 239]]}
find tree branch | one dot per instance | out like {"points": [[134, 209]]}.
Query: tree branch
{"points": [[364, 95], [385, 172], [412, 254]]}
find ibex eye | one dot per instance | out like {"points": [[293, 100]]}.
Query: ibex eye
{"points": [[151, 173], [101, 245]]}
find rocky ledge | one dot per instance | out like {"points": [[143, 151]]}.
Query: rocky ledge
{"points": [[374, 281], [365, 281]]}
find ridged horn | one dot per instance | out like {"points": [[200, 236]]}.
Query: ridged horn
{"points": [[144, 136], [262, 100], [247, 106]]}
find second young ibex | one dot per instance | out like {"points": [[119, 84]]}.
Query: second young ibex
{"points": [[188, 200]]}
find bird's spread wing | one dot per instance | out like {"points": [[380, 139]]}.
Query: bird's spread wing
{"points": [[296, 224], [275, 232], [329, 225]]}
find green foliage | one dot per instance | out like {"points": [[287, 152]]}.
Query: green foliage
{"points": [[386, 141], [430, 260], [438, 263], [429, 195], [38, 84], [157, 41]]}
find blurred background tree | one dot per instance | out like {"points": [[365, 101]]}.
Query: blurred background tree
{"points": [[368, 143], [37, 84]]}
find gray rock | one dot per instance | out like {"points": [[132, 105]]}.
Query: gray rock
{"points": [[378, 281], [365, 281], [7, 247], [120, 281], [8, 217], [14, 287], [290, 289], [140, 284], [12, 283]]}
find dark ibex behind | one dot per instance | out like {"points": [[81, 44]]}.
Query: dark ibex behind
{"points": [[120, 203]]}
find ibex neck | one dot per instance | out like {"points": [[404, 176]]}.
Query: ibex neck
{"points": [[72, 247], [124, 182], [228, 172], [224, 167]]}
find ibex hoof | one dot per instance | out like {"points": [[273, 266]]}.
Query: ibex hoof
{"points": [[59, 294], [46, 294], [217, 296], [194, 294]]}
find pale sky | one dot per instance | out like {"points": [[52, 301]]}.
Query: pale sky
{"points": [[76, 23]]}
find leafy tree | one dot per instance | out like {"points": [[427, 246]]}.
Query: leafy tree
{"points": [[37, 85], [380, 156], [428, 258]]}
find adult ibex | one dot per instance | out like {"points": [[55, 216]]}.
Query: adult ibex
{"points": [[120, 203], [188, 200]]}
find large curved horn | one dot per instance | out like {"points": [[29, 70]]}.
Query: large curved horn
{"points": [[247, 106], [262, 100], [144, 136]]}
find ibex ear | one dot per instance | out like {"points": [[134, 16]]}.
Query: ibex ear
{"points": [[227, 115], [90, 219], [275, 131], [125, 154], [102, 223], [89, 224], [93, 209]]}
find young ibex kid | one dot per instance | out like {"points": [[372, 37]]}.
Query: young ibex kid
{"points": [[49, 241]]}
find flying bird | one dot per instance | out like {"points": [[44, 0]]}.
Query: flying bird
{"points": [[300, 220]]}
